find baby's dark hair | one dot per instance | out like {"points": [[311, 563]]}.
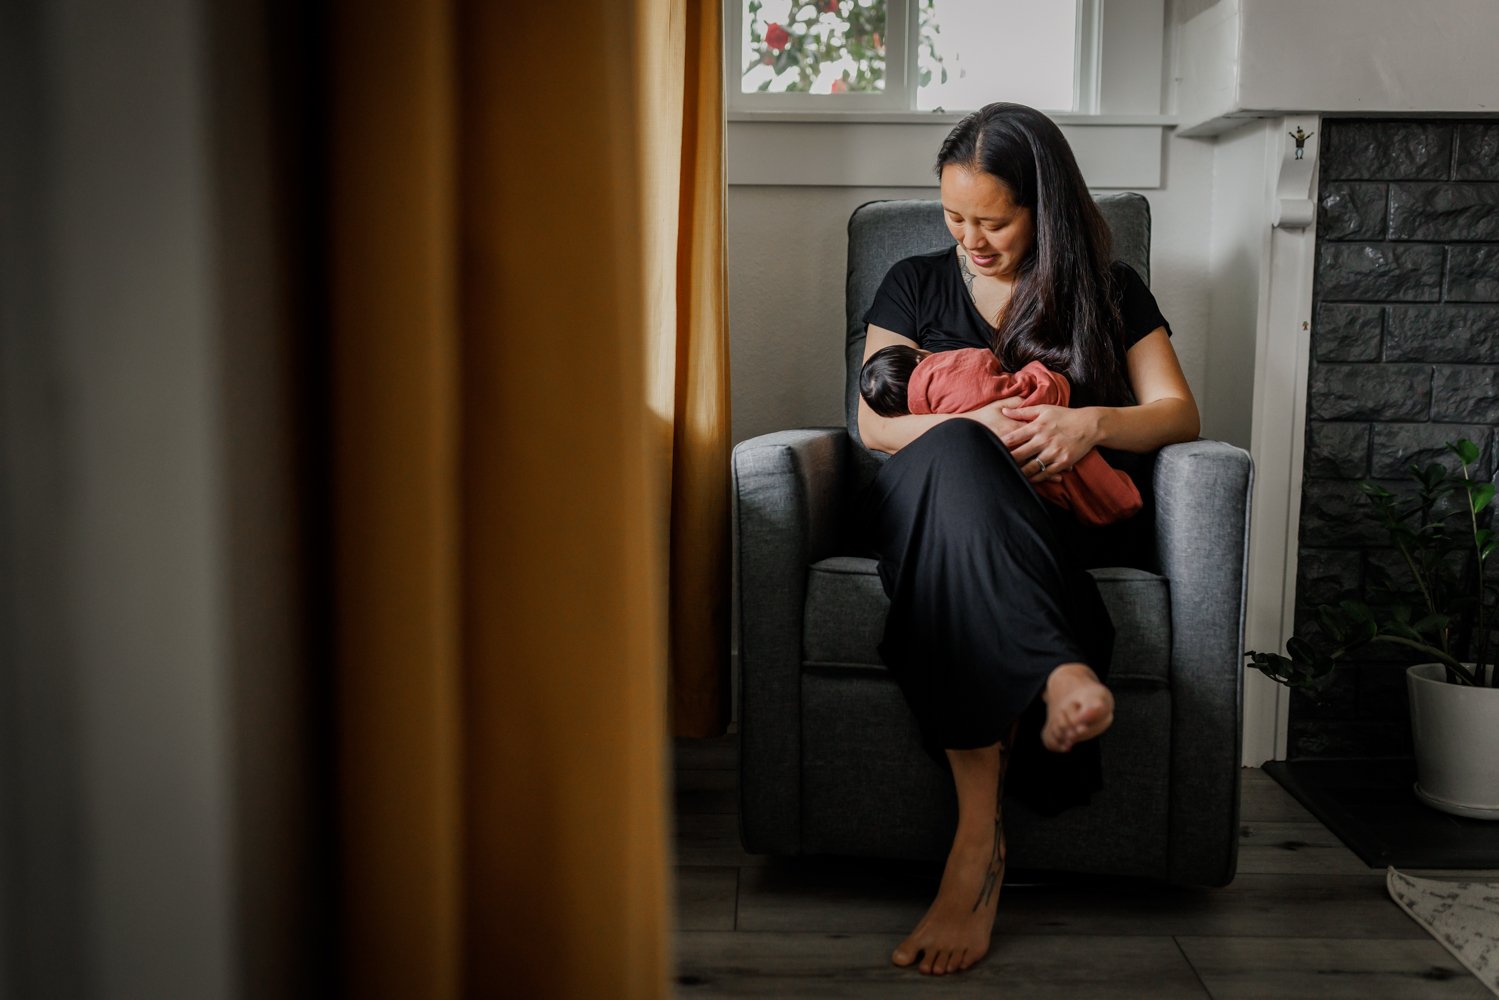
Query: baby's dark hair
{"points": [[885, 376]]}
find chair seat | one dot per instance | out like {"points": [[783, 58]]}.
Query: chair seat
{"points": [[846, 607]]}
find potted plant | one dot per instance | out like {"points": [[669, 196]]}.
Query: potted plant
{"points": [[1442, 606]]}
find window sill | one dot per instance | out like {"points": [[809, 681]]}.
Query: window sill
{"points": [[896, 149], [1066, 118]]}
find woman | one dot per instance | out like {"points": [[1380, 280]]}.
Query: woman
{"points": [[996, 633]]}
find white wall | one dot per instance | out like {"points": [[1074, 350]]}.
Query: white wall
{"points": [[1248, 58], [1362, 56], [1237, 257], [787, 254]]}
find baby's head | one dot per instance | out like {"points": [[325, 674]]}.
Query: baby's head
{"points": [[885, 376]]}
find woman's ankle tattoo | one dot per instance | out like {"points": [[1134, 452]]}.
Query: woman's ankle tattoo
{"points": [[996, 864]]}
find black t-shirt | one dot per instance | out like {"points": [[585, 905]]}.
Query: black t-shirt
{"points": [[923, 297]]}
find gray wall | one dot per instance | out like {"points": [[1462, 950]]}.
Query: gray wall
{"points": [[156, 825], [1405, 357]]}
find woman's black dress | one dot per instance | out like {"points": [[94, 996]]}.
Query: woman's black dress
{"points": [[987, 583]]}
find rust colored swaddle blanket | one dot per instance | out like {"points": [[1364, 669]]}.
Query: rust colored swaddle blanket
{"points": [[965, 379]]}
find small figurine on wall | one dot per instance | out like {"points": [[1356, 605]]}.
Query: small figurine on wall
{"points": [[1301, 138]]}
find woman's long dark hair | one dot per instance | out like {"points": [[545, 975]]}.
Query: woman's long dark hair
{"points": [[1062, 310]]}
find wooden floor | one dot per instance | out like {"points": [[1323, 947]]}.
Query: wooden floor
{"points": [[1303, 918]]}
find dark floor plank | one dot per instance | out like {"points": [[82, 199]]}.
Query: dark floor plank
{"points": [[706, 898], [1273, 968], [1036, 967], [1295, 849], [1263, 800], [1455, 874], [711, 839], [866, 898], [719, 753], [696, 792]]}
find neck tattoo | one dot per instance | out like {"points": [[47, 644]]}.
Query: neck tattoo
{"points": [[968, 275]]}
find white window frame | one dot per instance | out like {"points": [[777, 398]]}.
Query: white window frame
{"points": [[898, 100]]}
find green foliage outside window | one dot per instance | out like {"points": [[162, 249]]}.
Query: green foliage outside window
{"points": [[817, 34]]}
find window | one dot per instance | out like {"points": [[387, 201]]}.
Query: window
{"points": [[911, 55]]}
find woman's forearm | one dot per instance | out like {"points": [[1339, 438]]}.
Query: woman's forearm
{"points": [[1147, 426], [891, 434]]}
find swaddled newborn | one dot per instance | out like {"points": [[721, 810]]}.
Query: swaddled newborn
{"points": [[897, 380]]}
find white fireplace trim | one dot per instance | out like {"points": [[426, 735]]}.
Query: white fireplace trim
{"points": [[1278, 424]]}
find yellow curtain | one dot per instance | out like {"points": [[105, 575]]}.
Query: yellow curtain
{"points": [[530, 409], [681, 100]]}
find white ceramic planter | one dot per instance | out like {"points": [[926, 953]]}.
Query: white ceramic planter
{"points": [[1456, 731]]}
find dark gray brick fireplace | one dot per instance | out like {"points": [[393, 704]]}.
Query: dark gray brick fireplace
{"points": [[1404, 357]]}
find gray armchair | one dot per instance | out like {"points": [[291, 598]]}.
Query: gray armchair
{"points": [[830, 758]]}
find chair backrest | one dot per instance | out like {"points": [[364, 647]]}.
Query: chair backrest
{"points": [[883, 232]]}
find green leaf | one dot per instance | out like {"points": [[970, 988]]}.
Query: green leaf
{"points": [[1432, 623], [1271, 665], [1300, 649], [1289, 672], [1432, 534], [1480, 496], [1402, 630], [1465, 450]]}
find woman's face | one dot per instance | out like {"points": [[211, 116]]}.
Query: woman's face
{"points": [[994, 232]]}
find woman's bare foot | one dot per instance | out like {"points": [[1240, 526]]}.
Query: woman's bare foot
{"points": [[1078, 707], [955, 932]]}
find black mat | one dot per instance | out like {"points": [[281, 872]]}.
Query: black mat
{"points": [[1370, 805]]}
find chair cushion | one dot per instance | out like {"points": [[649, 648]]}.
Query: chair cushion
{"points": [[846, 606]]}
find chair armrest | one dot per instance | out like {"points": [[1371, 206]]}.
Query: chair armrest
{"points": [[789, 492], [1202, 529]]}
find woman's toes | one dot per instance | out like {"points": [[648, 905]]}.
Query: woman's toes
{"points": [[1082, 716], [904, 955], [1084, 720], [1093, 720]]}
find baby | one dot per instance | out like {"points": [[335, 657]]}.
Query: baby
{"points": [[897, 380]]}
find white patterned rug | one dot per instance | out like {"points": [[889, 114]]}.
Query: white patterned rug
{"points": [[1462, 916]]}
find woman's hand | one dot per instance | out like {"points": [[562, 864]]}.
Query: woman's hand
{"points": [[1060, 437], [990, 416]]}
